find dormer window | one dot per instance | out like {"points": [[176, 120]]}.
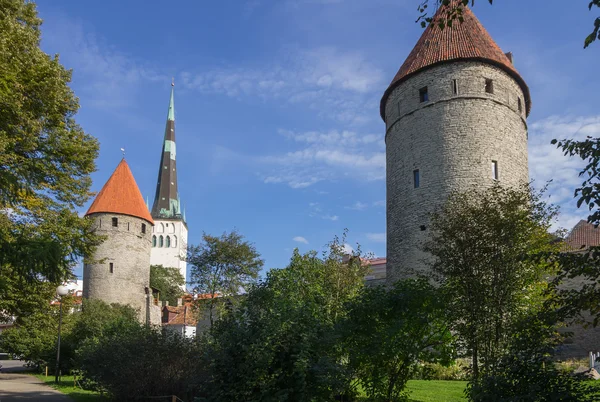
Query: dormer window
{"points": [[423, 95], [489, 86]]}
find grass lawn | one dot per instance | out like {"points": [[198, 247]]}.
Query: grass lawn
{"points": [[67, 387], [431, 390]]}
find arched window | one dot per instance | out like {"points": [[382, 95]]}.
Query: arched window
{"points": [[160, 228], [160, 241], [168, 242], [174, 241], [172, 228], [153, 241]]}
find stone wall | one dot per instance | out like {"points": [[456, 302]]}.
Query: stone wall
{"points": [[452, 139], [128, 249]]}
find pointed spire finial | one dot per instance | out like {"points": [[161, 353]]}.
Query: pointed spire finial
{"points": [[172, 81], [123, 151], [171, 115]]}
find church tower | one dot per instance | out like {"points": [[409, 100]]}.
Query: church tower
{"points": [[169, 236], [455, 116], [119, 271]]}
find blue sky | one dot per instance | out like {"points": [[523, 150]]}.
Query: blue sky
{"points": [[277, 121]]}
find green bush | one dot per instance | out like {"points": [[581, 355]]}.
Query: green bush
{"points": [[141, 362]]}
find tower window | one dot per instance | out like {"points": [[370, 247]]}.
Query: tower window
{"points": [[115, 222], [111, 267], [519, 105], [489, 86], [128, 226], [161, 241], [153, 241], [168, 242], [416, 178], [495, 170], [455, 87], [143, 228], [174, 241], [423, 95]]}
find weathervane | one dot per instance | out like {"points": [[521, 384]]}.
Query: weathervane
{"points": [[173, 81], [123, 150]]}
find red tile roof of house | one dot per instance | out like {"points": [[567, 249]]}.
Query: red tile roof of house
{"points": [[183, 315], [468, 40], [121, 195], [583, 236]]}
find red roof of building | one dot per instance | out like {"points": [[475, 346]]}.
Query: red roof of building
{"points": [[583, 236], [468, 40], [121, 195]]}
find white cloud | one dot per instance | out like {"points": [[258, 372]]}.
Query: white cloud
{"points": [[347, 249], [547, 162], [330, 155], [317, 211], [380, 203], [300, 239], [376, 237], [336, 84], [358, 206], [330, 217]]}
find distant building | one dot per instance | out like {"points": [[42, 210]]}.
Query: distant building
{"points": [[170, 232], [119, 271], [180, 318]]}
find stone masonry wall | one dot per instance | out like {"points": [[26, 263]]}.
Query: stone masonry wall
{"points": [[452, 140], [128, 249]]}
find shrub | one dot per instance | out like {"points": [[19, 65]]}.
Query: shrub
{"points": [[142, 362]]}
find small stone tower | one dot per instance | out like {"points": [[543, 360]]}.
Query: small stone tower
{"points": [[119, 271], [455, 116], [170, 232]]}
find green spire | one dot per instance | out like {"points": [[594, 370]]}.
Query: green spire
{"points": [[171, 115]]}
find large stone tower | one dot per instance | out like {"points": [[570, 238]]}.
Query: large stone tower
{"points": [[169, 237], [455, 116], [119, 271]]}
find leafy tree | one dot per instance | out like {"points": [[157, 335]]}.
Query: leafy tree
{"points": [[389, 331], [455, 11], [222, 267], [45, 159], [168, 281], [280, 342], [484, 245], [527, 372], [582, 264], [34, 337]]}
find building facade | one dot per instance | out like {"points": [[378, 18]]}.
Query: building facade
{"points": [[170, 233], [455, 116]]}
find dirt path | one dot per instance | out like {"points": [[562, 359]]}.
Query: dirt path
{"points": [[15, 387]]}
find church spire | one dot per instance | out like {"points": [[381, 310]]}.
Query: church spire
{"points": [[166, 200]]}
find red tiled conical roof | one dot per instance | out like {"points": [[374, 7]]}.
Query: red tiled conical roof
{"points": [[468, 40], [121, 195]]}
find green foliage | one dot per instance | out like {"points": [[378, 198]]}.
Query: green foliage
{"points": [[483, 245], [34, 337], [584, 264], [222, 266], [389, 331], [280, 343], [526, 371], [455, 12], [168, 281], [45, 159], [455, 371], [138, 362]]}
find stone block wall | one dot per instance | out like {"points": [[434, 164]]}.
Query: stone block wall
{"points": [[128, 249], [452, 139]]}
